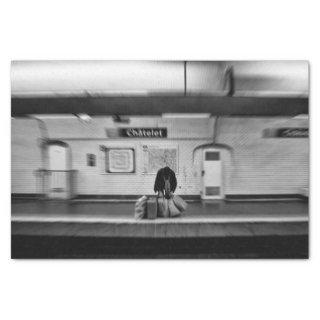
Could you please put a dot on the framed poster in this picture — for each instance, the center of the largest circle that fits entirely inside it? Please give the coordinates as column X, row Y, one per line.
column 120, row 160
column 159, row 157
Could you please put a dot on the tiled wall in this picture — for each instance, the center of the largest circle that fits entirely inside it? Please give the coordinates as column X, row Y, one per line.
column 25, row 155
column 185, row 134
column 261, row 165
column 94, row 180
column 96, row 129
column 257, row 165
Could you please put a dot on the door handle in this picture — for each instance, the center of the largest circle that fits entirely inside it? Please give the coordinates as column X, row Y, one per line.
column 202, row 173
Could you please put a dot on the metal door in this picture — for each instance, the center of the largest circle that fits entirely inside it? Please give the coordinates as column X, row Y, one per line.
column 58, row 171
column 212, row 174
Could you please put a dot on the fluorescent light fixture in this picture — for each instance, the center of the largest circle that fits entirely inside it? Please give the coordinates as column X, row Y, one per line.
column 84, row 117
column 301, row 117
column 186, row 115
column 52, row 116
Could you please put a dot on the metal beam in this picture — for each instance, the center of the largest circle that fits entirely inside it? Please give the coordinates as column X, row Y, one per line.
column 156, row 105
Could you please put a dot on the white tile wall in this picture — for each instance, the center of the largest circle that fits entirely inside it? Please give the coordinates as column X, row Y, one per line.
column 94, row 180
column 25, row 155
column 256, row 166
column 264, row 165
column 96, row 129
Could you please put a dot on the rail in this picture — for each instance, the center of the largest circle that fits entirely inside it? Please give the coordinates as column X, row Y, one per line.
column 58, row 184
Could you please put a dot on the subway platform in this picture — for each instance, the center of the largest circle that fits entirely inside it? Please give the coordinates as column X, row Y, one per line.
column 218, row 229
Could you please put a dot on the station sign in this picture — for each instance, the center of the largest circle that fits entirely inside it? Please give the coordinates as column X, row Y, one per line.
column 293, row 132
column 286, row 133
column 143, row 132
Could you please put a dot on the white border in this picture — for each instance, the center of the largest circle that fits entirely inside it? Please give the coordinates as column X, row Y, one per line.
column 141, row 290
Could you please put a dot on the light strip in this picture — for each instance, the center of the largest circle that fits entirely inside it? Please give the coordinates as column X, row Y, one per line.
column 53, row 116
column 186, row 115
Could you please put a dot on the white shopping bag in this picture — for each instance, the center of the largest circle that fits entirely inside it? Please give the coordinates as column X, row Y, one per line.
column 140, row 209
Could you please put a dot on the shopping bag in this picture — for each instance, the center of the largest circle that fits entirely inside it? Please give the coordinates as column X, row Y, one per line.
column 140, row 208
column 173, row 210
column 179, row 203
column 152, row 208
column 162, row 207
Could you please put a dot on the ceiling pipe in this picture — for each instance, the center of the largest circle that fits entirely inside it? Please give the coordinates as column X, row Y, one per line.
column 185, row 78
column 214, row 143
column 229, row 81
column 44, row 138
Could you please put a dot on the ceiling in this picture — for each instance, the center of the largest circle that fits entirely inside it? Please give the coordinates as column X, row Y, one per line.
column 145, row 78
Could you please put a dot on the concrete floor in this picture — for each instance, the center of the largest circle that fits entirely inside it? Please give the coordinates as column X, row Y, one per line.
column 199, row 220
column 218, row 211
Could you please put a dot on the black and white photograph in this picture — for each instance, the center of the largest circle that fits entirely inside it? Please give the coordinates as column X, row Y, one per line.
column 159, row 160
column 142, row 159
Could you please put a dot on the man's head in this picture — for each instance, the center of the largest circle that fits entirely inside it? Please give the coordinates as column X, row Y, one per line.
column 166, row 172
column 165, row 181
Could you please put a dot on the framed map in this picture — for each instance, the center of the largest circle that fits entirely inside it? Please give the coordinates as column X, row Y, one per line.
column 159, row 157
column 120, row 160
